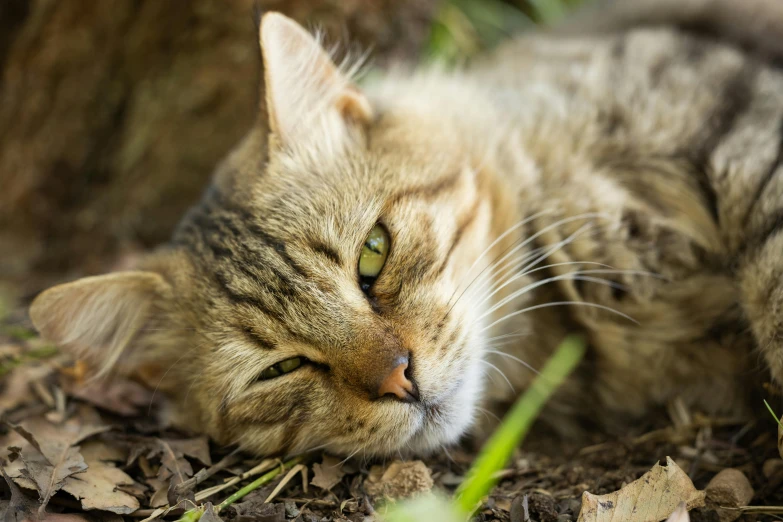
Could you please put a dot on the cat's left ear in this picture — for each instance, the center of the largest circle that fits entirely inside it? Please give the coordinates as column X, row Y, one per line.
column 303, row 85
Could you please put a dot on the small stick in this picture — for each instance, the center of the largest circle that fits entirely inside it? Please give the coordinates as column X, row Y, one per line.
column 229, row 460
column 296, row 469
column 264, row 465
column 194, row 515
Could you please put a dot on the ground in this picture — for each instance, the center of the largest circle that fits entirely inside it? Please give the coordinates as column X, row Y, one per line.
column 102, row 450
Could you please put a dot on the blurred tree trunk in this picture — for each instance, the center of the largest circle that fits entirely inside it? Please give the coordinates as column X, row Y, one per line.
column 113, row 114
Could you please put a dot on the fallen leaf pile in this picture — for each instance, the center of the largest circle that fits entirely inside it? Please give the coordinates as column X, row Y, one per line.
column 46, row 457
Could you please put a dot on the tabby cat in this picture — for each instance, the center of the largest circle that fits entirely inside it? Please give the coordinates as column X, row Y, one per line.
column 373, row 266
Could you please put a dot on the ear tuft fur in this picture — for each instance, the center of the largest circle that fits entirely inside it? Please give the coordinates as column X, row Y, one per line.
column 304, row 88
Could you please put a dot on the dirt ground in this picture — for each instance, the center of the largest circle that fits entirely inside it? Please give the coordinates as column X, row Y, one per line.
column 104, row 458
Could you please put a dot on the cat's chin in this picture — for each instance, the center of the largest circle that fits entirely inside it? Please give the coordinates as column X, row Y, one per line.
column 438, row 423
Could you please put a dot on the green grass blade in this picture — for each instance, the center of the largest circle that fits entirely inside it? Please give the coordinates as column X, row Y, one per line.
column 482, row 476
column 777, row 419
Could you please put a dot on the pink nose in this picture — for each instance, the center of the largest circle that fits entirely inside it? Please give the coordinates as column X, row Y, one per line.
column 398, row 384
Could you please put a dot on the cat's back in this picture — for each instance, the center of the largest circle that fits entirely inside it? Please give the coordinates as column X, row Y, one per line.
column 669, row 120
column 656, row 91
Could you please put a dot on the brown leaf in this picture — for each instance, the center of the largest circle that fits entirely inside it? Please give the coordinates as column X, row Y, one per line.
column 160, row 495
column 328, row 473
column 49, row 454
column 19, row 508
column 210, row 514
column 195, row 448
column 26, row 435
column 16, row 386
column 651, row 498
column 120, row 396
column 96, row 487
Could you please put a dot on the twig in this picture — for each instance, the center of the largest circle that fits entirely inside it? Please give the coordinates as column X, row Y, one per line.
column 296, row 469
column 229, row 460
column 311, row 501
column 264, row 465
column 194, row 515
column 260, row 481
column 206, row 493
column 761, row 510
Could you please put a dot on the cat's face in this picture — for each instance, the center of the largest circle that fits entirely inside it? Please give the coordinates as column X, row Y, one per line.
column 281, row 286
column 313, row 298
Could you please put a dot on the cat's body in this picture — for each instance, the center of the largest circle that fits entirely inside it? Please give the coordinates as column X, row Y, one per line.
column 512, row 192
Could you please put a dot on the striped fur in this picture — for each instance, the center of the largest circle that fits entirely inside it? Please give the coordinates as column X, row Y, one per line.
column 623, row 180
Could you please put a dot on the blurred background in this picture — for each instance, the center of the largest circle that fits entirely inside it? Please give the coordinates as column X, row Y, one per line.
column 113, row 114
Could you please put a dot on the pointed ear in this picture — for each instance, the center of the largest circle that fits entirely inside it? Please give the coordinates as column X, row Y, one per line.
column 302, row 83
column 98, row 319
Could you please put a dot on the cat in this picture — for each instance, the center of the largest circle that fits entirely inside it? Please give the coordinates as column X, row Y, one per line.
column 373, row 266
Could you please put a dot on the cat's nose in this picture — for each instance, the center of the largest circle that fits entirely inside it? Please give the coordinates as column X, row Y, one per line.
column 397, row 384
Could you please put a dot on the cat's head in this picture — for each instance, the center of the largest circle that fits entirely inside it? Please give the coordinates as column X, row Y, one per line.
column 312, row 299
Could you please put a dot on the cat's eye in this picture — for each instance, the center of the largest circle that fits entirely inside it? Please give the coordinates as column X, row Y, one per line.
column 374, row 253
column 276, row 370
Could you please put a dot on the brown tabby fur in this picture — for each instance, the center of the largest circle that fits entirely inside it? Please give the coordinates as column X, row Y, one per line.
column 647, row 157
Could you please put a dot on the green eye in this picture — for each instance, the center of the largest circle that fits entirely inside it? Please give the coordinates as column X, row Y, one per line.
column 276, row 370
column 374, row 252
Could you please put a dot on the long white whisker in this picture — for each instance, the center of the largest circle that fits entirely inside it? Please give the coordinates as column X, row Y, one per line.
column 522, row 274
column 507, row 336
column 487, row 412
column 560, row 303
column 527, row 241
column 513, row 358
column 503, row 236
column 500, row 372
column 527, row 288
column 504, row 270
column 551, row 250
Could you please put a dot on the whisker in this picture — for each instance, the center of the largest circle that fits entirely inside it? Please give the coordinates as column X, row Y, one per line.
column 509, row 251
column 561, row 303
column 500, row 372
column 488, row 413
column 513, row 358
column 506, row 336
column 532, row 286
column 524, row 273
column 503, row 236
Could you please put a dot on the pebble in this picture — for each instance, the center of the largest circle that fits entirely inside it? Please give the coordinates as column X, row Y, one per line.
column 729, row 489
column 771, row 467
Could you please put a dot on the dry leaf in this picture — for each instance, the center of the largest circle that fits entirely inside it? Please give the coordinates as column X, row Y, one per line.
column 120, row 396
column 19, row 508
column 210, row 514
column 652, row 498
column 328, row 473
column 161, row 490
column 95, row 488
column 16, row 386
column 195, row 448
column 49, row 454
column 680, row 514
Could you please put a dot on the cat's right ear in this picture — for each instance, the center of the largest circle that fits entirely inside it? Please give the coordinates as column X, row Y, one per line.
column 99, row 319
column 305, row 91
